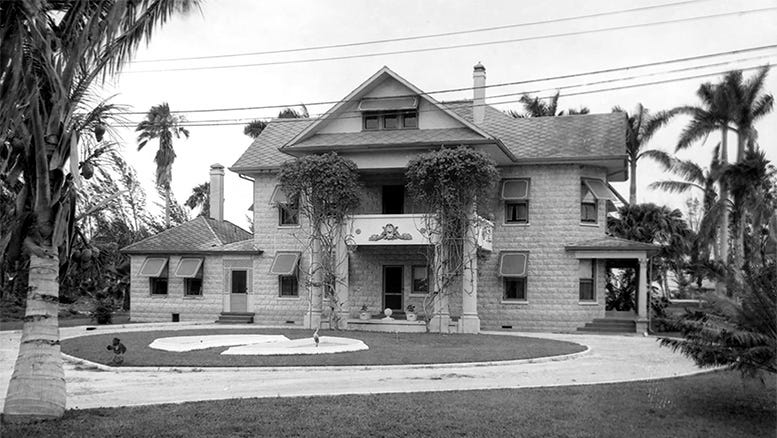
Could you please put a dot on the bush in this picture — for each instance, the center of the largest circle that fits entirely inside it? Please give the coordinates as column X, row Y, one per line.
column 103, row 312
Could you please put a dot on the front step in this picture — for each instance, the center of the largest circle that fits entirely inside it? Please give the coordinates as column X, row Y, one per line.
column 235, row 318
column 610, row 325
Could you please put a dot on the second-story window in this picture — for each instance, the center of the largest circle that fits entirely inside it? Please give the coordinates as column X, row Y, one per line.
column 288, row 211
column 515, row 193
column 375, row 121
column 591, row 192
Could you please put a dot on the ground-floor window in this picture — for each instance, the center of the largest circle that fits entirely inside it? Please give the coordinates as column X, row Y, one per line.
column 190, row 269
column 192, row 286
column 288, row 285
column 587, row 270
column 420, row 280
column 158, row 285
column 155, row 268
column 515, row 289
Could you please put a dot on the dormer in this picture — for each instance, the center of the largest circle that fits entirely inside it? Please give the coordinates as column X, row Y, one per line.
column 389, row 113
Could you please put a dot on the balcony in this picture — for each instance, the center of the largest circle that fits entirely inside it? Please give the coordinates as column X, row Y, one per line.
column 405, row 229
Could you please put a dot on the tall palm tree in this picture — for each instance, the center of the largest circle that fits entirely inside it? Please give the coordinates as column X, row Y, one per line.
column 50, row 54
column 161, row 124
column 714, row 113
column 200, row 197
column 748, row 104
column 641, row 127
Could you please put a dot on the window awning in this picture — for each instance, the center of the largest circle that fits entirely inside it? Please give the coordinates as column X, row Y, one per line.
column 188, row 267
column 389, row 103
column 599, row 189
column 278, row 196
column 513, row 264
column 153, row 267
column 284, row 263
column 515, row 189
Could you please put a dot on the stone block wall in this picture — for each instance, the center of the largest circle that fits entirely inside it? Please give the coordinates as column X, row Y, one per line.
column 145, row 307
column 552, row 282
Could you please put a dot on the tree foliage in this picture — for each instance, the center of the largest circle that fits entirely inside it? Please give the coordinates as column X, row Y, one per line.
column 200, row 197
column 255, row 127
column 543, row 107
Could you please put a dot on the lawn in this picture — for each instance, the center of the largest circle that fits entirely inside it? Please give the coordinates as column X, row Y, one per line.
column 716, row 404
column 385, row 349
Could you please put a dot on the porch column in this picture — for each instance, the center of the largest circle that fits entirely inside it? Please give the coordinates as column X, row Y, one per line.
column 313, row 317
column 642, row 297
column 441, row 318
column 470, row 322
column 341, row 288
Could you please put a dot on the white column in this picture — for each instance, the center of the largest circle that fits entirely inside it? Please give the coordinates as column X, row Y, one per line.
column 470, row 322
column 341, row 288
column 642, row 297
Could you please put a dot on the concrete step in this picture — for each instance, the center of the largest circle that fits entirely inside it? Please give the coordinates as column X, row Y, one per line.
column 612, row 322
column 607, row 329
column 235, row 318
column 609, row 325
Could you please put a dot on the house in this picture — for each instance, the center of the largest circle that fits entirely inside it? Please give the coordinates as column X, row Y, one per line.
column 541, row 251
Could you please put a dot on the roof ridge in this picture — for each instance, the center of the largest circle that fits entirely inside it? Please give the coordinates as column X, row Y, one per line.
column 161, row 233
column 210, row 227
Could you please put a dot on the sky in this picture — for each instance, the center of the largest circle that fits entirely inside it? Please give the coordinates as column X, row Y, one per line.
column 246, row 26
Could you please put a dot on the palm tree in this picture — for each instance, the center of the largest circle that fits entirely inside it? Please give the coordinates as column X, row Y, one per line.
column 51, row 53
column 200, row 197
column 748, row 104
column 715, row 113
column 161, row 124
column 640, row 129
column 255, row 127
column 537, row 107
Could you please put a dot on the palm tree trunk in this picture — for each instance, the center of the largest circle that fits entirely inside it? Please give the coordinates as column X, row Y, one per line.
column 37, row 387
column 720, row 286
column 739, row 240
column 633, row 183
column 167, row 207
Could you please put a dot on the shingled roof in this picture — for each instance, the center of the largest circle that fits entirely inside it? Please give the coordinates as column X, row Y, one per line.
column 611, row 243
column 201, row 235
column 590, row 136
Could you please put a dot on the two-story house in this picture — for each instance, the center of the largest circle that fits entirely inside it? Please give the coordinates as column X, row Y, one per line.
column 542, row 249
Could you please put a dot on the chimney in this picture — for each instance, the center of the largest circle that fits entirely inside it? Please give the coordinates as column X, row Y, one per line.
column 479, row 97
column 217, row 192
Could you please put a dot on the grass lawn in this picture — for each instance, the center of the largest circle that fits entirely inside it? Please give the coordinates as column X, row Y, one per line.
column 716, row 404
column 385, row 349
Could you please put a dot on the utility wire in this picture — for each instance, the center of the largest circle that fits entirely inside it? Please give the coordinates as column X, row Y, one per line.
column 658, row 82
column 427, row 36
column 449, row 47
column 503, row 84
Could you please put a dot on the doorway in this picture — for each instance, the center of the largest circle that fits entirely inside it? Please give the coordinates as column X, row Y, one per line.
column 238, row 297
column 393, row 279
column 394, row 199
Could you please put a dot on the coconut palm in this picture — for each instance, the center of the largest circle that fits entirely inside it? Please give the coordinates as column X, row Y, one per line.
column 50, row 54
column 538, row 107
column 161, row 124
column 254, row 128
column 640, row 128
column 200, row 197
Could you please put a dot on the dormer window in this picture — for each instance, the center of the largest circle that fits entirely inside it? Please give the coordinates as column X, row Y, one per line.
column 390, row 120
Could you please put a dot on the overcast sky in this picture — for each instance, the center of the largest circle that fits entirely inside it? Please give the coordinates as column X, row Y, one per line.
column 239, row 26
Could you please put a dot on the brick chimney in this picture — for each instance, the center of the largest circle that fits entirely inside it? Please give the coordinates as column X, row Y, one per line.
column 479, row 95
column 217, row 192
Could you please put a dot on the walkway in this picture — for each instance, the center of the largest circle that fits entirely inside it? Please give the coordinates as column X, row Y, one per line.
column 609, row 359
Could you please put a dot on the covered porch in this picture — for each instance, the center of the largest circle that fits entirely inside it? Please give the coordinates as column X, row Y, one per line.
column 617, row 252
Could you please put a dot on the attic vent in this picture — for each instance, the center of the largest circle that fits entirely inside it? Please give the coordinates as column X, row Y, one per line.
column 388, row 104
column 507, row 326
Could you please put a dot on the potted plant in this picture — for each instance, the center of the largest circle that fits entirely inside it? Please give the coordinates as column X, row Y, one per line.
column 411, row 316
column 364, row 314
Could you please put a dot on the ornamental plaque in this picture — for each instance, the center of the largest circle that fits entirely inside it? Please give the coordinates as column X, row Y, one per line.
column 390, row 232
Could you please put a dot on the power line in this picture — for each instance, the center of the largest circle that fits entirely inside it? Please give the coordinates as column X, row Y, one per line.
column 427, row 36
column 449, row 47
column 503, row 84
column 658, row 82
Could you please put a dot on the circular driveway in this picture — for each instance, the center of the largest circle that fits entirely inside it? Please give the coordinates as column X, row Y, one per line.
column 609, row 358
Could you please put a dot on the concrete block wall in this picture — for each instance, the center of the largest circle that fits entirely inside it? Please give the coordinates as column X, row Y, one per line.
column 268, row 306
column 145, row 307
column 552, row 282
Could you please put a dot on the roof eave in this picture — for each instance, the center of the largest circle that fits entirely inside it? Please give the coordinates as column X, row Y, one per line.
column 192, row 252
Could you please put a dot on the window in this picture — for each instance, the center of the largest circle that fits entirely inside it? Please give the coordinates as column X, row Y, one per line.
column 587, row 271
column 288, row 285
column 155, row 268
column 190, row 269
column 515, row 289
column 420, row 280
column 374, row 121
column 288, row 211
column 517, row 212
column 588, row 206
column 513, row 268
column 515, row 193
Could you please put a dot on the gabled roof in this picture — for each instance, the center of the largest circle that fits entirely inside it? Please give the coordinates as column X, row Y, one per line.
column 365, row 88
column 611, row 243
column 200, row 235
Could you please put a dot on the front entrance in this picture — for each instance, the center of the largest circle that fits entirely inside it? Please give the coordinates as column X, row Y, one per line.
column 238, row 298
column 392, row 287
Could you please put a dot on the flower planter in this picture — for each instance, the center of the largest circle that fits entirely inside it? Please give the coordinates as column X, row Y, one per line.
column 364, row 316
column 412, row 317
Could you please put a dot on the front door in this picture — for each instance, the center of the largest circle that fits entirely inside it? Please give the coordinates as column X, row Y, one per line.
column 238, row 298
column 392, row 288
